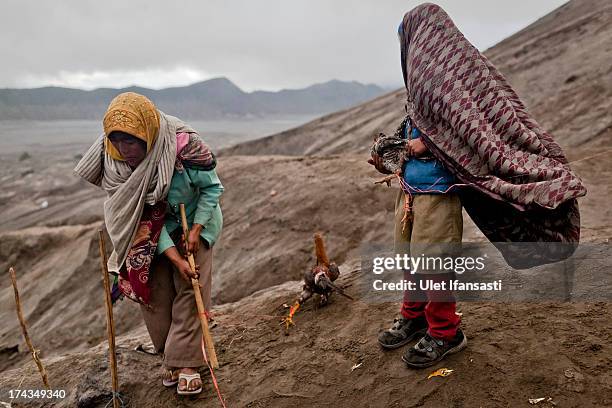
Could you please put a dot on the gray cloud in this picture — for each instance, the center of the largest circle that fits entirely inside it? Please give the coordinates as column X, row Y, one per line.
column 265, row 44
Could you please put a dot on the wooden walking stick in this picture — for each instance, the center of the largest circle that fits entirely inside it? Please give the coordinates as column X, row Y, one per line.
column 208, row 342
column 24, row 329
column 110, row 325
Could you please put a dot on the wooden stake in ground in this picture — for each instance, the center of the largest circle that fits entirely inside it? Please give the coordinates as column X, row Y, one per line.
column 208, row 342
column 110, row 325
column 24, row 329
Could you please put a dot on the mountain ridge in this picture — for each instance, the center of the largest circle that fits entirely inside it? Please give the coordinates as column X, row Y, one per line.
column 214, row 98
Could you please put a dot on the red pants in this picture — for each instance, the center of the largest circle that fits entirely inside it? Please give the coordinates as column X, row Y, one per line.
column 438, row 309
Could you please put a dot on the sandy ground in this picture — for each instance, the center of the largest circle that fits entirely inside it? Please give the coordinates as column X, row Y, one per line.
column 279, row 190
column 516, row 352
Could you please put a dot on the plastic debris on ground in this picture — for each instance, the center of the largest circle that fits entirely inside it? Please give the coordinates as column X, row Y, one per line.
column 442, row 372
column 535, row 401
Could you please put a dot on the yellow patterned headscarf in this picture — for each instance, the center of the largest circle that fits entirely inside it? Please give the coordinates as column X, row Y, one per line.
column 134, row 114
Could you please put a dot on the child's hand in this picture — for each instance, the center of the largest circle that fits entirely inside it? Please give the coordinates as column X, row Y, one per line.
column 182, row 266
column 416, row 147
column 193, row 240
column 376, row 161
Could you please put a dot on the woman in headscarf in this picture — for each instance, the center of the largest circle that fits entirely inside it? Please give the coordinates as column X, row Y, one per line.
column 472, row 143
column 148, row 163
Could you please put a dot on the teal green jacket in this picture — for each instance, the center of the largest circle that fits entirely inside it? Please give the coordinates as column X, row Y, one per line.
column 200, row 191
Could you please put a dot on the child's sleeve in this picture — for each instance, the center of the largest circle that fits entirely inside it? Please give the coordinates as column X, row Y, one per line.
column 210, row 192
column 164, row 242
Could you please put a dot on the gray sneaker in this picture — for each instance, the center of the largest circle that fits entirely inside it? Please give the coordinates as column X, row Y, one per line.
column 402, row 332
column 429, row 350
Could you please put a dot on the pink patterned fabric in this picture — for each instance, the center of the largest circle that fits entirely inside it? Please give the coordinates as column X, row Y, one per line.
column 181, row 141
column 193, row 152
column 475, row 123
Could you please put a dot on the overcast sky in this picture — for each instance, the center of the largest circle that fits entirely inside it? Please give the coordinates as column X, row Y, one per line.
column 258, row 44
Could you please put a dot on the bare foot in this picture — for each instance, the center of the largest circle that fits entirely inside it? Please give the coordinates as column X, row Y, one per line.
column 170, row 377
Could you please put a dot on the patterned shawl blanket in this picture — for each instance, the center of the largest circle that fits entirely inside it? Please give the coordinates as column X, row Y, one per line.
column 136, row 199
column 521, row 186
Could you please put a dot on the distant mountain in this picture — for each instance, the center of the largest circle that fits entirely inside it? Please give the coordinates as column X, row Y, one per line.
column 214, row 98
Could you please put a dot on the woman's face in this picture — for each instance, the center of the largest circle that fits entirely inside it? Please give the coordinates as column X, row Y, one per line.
column 132, row 149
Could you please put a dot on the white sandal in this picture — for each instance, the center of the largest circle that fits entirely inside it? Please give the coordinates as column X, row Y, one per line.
column 188, row 378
